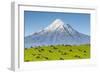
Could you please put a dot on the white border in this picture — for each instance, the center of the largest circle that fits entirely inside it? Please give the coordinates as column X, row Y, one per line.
column 18, row 52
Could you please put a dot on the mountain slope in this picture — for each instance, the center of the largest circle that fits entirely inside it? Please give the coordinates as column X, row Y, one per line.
column 56, row 33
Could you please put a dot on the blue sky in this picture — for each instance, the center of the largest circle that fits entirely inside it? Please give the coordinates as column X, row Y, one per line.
column 35, row 21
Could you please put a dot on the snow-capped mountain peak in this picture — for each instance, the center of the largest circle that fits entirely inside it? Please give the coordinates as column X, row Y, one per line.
column 55, row 24
column 58, row 22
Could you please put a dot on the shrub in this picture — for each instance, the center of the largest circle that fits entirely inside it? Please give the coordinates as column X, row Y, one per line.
column 33, row 54
column 61, row 59
column 39, row 54
column 55, row 48
column 36, row 48
column 85, row 54
column 42, row 49
column 51, row 46
column 77, row 56
column 67, row 45
column 50, row 51
column 64, row 53
column 46, row 58
column 38, row 57
column 59, row 50
column 39, row 50
column 31, row 46
column 39, row 46
column 27, row 60
column 84, row 51
column 80, row 50
column 70, row 50
column 25, row 48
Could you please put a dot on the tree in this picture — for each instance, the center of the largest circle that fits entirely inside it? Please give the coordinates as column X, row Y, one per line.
column 31, row 46
column 25, row 48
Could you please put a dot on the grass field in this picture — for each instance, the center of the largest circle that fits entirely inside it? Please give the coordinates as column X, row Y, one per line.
column 57, row 52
